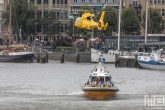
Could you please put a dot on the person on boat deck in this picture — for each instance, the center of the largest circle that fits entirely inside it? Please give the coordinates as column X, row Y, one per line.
column 97, row 80
column 88, row 82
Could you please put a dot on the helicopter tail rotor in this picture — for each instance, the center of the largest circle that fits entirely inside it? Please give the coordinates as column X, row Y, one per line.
column 101, row 25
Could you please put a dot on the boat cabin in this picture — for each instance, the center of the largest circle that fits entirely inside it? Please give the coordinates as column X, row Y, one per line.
column 99, row 77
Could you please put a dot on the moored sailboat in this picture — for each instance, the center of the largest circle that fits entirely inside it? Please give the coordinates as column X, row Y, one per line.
column 17, row 52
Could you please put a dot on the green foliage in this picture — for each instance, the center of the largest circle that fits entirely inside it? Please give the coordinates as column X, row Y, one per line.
column 50, row 24
column 58, row 48
column 84, row 8
column 154, row 20
column 23, row 17
column 130, row 21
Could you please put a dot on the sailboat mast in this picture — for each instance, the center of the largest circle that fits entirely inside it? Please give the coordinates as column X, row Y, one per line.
column 146, row 21
column 119, row 25
column 10, row 23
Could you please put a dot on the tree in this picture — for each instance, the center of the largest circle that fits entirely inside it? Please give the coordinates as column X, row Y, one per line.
column 154, row 20
column 23, row 17
column 84, row 8
column 130, row 21
column 110, row 17
column 50, row 24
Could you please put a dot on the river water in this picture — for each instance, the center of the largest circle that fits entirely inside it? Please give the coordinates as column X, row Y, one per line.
column 56, row 86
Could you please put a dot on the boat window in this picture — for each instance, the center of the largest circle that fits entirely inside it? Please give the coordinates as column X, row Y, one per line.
column 93, row 78
column 101, row 79
column 107, row 79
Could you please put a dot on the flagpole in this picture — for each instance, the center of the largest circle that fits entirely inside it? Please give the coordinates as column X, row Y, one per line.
column 146, row 21
column 9, row 39
column 119, row 25
column 20, row 37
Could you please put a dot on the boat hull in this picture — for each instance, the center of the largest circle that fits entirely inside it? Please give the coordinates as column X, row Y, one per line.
column 16, row 58
column 155, row 66
column 99, row 93
column 109, row 56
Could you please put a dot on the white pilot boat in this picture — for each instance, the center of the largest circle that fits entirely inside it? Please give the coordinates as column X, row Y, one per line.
column 99, row 84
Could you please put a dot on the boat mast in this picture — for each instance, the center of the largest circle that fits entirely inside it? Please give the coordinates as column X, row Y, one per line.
column 119, row 25
column 146, row 21
column 10, row 22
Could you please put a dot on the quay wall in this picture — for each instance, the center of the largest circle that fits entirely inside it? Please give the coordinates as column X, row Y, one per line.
column 69, row 56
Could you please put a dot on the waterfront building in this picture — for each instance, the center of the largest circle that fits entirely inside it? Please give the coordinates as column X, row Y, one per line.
column 96, row 5
column 140, row 6
column 61, row 9
column 132, row 40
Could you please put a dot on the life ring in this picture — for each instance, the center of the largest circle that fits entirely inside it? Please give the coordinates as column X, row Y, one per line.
column 161, row 56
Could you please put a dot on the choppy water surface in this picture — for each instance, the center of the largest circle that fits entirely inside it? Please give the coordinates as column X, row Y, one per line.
column 56, row 86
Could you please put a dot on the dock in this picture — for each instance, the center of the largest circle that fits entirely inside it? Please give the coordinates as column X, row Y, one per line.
column 126, row 60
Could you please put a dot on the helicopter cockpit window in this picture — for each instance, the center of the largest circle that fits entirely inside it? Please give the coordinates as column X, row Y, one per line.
column 88, row 18
column 78, row 19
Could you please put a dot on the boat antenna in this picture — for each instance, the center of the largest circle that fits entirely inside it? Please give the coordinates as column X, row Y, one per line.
column 10, row 23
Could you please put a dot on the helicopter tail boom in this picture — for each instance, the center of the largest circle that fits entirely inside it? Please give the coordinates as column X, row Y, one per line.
column 101, row 25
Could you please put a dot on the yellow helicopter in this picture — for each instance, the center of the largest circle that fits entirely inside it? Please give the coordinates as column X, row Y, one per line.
column 87, row 22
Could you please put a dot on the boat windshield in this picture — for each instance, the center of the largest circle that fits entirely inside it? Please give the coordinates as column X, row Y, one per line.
column 93, row 78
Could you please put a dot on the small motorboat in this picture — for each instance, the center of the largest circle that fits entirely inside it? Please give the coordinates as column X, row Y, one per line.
column 154, row 60
column 99, row 84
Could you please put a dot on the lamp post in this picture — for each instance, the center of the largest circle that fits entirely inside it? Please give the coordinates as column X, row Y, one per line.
column 72, row 18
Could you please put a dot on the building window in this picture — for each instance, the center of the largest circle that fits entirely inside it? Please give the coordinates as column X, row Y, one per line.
column 154, row 1
column 62, row 14
column 58, row 2
column 58, row 14
column 83, row 1
column 45, row 1
column 45, row 13
column 38, row 28
column 39, row 14
column 54, row 1
column 106, row 1
column 61, row 1
column 159, row 2
column 62, row 30
column 134, row 3
column 66, row 1
column 66, row 14
column 38, row 1
column 114, row 1
column 66, row 25
column 75, row 1
column 31, row 1
column 163, row 1
column 98, row 1
column 163, row 10
column 151, row 1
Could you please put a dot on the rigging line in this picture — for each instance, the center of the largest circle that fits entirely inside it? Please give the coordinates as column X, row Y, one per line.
column 15, row 19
